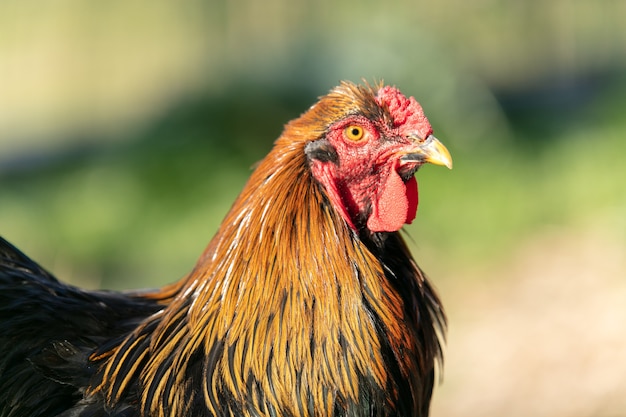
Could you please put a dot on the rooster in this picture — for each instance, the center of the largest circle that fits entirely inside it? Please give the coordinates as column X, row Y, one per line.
column 305, row 303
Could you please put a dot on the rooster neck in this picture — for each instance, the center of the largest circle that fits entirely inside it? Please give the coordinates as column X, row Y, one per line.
column 288, row 312
column 303, row 301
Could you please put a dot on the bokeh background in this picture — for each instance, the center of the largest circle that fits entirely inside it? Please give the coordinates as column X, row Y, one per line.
column 128, row 128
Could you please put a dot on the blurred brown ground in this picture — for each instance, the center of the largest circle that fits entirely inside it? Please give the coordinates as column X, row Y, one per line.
column 544, row 336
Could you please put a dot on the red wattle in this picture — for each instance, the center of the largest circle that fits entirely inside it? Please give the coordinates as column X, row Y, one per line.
column 395, row 206
column 412, row 196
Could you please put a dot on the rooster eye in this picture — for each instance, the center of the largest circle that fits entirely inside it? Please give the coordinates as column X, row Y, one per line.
column 354, row 132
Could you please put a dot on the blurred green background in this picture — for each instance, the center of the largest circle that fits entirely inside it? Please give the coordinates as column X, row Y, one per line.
column 128, row 128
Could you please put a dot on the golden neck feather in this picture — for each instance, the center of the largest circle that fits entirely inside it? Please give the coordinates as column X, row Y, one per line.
column 279, row 307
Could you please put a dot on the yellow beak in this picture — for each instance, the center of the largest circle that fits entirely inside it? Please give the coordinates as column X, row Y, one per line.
column 431, row 151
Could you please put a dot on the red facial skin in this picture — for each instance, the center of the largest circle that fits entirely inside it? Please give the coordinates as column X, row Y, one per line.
column 365, row 180
column 369, row 184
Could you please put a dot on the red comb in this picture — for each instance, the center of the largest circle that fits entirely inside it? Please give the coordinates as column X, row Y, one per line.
column 407, row 113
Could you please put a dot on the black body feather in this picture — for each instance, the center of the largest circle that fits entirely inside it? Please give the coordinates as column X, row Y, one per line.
column 48, row 331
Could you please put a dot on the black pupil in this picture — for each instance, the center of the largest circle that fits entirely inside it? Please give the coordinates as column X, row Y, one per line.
column 355, row 131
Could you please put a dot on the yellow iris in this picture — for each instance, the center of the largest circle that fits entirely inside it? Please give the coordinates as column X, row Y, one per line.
column 354, row 132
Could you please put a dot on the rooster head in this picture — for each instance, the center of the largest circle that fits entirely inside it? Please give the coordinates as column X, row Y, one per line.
column 364, row 145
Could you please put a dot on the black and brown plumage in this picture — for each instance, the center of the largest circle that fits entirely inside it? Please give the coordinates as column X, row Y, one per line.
column 306, row 302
